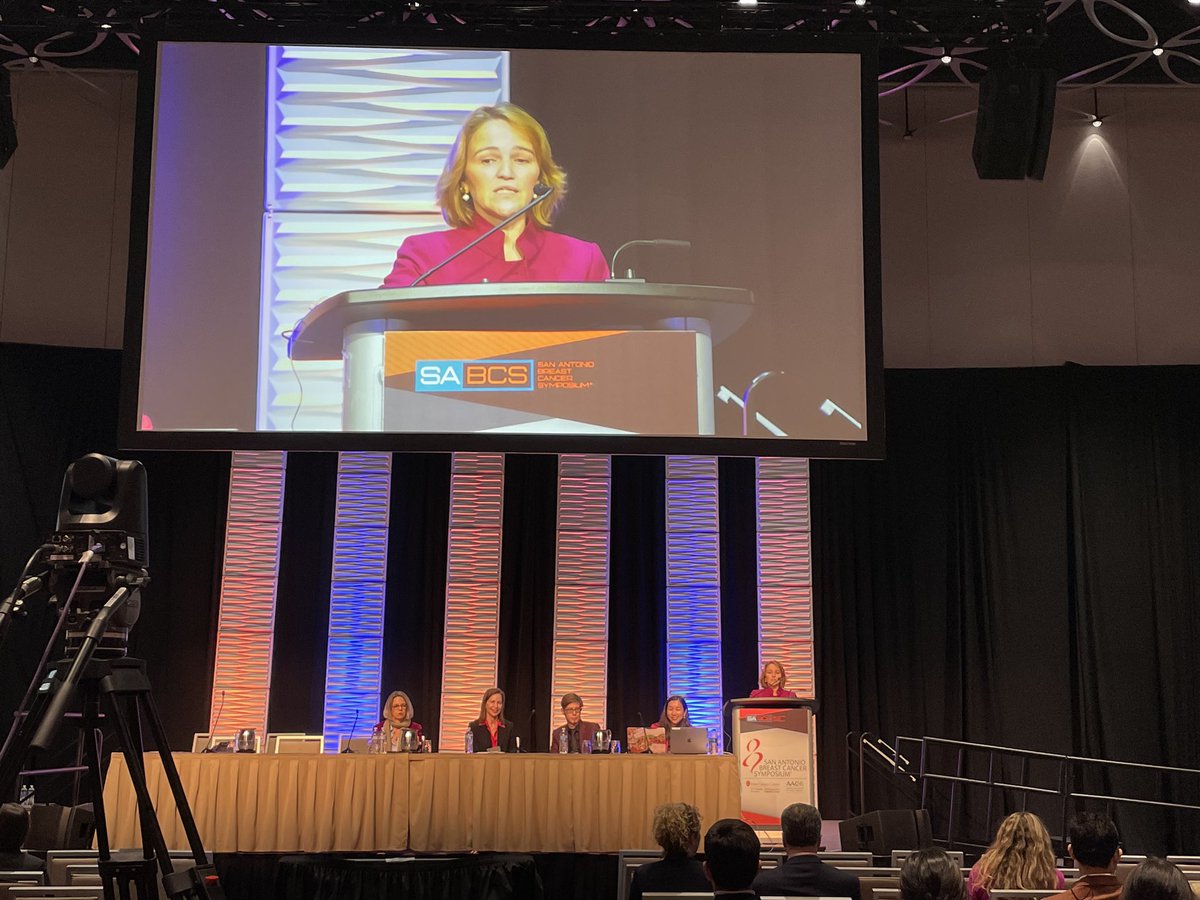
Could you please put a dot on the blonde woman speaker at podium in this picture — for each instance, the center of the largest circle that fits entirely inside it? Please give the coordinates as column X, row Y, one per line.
column 500, row 172
column 772, row 682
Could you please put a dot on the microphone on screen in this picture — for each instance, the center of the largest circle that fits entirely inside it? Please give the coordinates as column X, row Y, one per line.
column 658, row 242
column 347, row 748
column 216, row 723
column 537, row 198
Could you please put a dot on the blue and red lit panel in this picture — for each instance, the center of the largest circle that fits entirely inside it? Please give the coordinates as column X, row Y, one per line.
column 580, row 661
column 469, row 653
column 785, row 612
column 356, row 595
column 249, row 577
column 694, row 586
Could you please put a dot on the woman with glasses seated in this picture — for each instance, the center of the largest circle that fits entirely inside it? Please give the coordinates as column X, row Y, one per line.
column 575, row 730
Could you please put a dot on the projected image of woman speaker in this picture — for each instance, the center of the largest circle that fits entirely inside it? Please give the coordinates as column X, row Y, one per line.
column 500, row 170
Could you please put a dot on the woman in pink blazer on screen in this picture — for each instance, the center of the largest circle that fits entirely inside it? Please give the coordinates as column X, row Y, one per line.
column 772, row 682
column 500, row 160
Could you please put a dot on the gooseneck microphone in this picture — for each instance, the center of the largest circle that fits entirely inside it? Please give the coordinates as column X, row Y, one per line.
column 645, row 737
column 658, row 242
column 537, row 198
column 216, row 723
column 347, row 748
column 533, row 728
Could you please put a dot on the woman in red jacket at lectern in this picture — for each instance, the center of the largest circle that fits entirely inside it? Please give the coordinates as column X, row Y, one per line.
column 772, row 682
column 500, row 164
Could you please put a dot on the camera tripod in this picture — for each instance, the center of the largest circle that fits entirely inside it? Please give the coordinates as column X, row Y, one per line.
column 123, row 684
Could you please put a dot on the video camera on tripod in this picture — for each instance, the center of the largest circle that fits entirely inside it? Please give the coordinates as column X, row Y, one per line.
column 97, row 561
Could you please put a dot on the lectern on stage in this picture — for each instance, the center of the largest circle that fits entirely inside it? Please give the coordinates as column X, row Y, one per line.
column 617, row 357
column 775, row 742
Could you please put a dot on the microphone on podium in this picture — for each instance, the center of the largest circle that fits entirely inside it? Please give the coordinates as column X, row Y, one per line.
column 537, row 198
column 657, row 242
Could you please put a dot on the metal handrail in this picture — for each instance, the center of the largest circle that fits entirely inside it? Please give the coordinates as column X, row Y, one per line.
column 1067, row 764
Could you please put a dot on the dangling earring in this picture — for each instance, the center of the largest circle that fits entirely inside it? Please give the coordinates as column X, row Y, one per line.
column 466, row 194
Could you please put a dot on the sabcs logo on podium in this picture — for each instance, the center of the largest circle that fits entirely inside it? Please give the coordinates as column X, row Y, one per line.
column 461, row 375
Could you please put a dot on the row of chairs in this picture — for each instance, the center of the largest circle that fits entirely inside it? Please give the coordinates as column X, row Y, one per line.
column 70, row 874
column 883, row 882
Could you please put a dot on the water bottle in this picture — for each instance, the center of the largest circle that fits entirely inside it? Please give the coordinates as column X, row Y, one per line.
column 562, row 740
column 470, row 745
column 375, row 745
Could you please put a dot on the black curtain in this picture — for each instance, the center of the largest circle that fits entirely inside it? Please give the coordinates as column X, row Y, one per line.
column 56, row 404
column 1020, row 571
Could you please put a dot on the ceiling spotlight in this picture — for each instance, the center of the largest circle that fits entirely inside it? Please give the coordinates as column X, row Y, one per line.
column 1097, row 122
column 1157, row 51
column 1194, row 2
column 860, row 2
column 106, row 26
column 32, row 58
column 946, row 58
column 747, row 2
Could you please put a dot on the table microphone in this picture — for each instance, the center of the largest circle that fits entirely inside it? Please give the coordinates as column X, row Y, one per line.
column 537, row 198
column 645, row 737
column 347, row 748
column 216, row 723
column 532, row 727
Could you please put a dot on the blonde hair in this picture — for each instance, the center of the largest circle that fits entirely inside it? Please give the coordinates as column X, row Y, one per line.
column 458, row 212
column 387, row 708
column 1020, row 857
column 677, row 828
column 762, row 678
column 488, row 695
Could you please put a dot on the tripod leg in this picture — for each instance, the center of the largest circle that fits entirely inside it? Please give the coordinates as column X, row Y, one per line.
column 172, row 773
column 131, row 748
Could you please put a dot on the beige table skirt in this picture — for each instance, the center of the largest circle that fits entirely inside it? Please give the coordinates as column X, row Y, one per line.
column 444, row 801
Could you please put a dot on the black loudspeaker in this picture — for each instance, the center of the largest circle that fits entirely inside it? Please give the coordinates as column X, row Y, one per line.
column 885, row 830
column 54, row 827
column 1016, row 115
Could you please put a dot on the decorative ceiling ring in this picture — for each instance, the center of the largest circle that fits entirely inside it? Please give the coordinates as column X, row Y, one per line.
column 1151, row 38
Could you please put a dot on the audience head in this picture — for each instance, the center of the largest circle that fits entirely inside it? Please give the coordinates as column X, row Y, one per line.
column 801, row 826
column 14, row 826
column 931, row 874
column 398, row 709
column 731, row 851
column 491, row 704
column 1020, row 856
column 677, row 829
column 572, row 707
column 1094, row 842
column 1157, row 879
column 773, row 675
column 675, row 713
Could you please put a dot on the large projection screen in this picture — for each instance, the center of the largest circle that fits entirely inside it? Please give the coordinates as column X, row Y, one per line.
column 278, row 181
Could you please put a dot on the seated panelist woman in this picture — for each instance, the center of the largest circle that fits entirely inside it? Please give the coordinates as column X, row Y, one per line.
column 674, row 715
column 499, row 162
column 491, row 731
column 772, row 682
column 397, row 716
